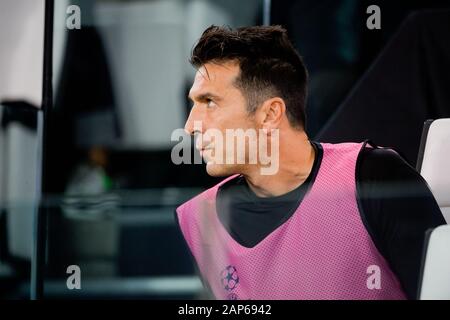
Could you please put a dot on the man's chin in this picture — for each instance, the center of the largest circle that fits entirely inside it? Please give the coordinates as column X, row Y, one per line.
column 217, row 170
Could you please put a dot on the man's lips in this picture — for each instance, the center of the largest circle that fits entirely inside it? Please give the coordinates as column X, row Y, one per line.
column 200, row 149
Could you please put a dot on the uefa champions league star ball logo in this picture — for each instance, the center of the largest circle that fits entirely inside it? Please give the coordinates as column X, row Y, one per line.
column 229, row 278
column 232, row 296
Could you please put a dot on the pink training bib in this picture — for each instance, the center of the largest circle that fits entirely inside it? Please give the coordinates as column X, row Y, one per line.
column 323, row 251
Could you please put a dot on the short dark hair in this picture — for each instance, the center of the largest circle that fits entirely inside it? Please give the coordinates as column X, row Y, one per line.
column 269, row 65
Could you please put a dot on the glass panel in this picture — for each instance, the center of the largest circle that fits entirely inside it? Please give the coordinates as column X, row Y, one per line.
column 21, row 56
column 120, row 91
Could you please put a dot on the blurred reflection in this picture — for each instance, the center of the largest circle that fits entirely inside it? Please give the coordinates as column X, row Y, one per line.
column 19, row 192
column 120, row 92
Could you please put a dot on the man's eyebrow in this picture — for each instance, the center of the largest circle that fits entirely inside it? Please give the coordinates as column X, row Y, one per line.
column 204, row 96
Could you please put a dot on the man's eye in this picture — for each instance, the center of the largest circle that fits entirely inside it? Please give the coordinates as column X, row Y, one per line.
column 209, row 103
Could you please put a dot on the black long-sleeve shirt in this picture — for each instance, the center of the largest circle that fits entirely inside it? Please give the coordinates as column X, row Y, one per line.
column 395, row 203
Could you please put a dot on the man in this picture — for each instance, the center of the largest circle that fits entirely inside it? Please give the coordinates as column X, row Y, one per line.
column 343, row 221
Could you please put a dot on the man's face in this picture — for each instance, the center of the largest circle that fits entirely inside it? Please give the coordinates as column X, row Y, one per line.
column 218, row 106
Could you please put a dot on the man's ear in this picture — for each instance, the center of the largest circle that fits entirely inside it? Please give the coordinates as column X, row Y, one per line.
column 272, row 112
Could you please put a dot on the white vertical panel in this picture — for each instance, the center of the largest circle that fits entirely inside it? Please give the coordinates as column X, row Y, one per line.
column 21, row 50
column 21, row 188
column 144, row 45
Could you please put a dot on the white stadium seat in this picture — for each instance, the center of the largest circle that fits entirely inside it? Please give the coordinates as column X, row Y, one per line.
column 436, row 268
column 433, row 161
column 433, row 165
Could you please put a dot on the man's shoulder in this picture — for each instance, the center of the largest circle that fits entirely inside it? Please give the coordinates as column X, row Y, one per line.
column 384, row 163
column 382, row 154
column 205, row 197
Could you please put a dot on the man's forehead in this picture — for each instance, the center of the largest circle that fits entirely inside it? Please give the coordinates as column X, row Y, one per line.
column 213, row 72
column 214, row 75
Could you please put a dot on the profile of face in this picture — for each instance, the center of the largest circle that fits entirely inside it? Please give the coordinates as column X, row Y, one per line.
column 220, row 107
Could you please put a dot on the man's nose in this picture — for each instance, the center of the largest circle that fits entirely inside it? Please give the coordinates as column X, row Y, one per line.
column 191, row 125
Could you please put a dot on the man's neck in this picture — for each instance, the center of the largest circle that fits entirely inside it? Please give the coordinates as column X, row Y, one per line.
column 296, row 159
